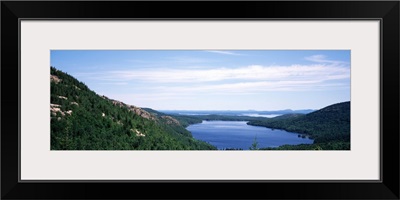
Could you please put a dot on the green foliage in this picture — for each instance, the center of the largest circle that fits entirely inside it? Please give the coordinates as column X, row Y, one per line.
column 328, row 125
column 95, row 123
column 184, row 120
column 320, row 146
column 187, row 120
column 233, row 149
column 254, row 145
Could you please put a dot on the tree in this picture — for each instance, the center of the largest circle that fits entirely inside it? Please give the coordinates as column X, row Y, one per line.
column 254, row 146
column 318, row 148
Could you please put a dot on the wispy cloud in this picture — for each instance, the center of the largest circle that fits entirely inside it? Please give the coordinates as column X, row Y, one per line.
column 225, row 52
column 186, row 60
column 234, row 91
column 323, row 59
column 247, row 73
column 147, row 85
column 113, row 83
column 214, row 78
column 173, row 62
column 249, row 87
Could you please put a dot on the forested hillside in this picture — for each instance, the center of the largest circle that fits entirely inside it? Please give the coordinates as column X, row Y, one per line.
column 83, row 120
column 329, row 127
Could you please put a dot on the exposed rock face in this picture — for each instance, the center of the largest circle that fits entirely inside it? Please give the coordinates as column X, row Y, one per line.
column 118, row 103
column 55, row 79
column 138, row 133
column 170, row 120
column 141, row 112
column 55, row 108
column 134, row 109
column 54, row 105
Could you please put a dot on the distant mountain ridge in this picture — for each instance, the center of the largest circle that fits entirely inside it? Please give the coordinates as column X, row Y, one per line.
column 235, row 112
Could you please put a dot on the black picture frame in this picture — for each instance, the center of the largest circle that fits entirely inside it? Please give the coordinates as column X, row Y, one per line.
column 386, row 11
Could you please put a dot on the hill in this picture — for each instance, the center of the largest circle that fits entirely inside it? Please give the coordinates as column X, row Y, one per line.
column 329, row 125
column 83, row 120
column 184, row 120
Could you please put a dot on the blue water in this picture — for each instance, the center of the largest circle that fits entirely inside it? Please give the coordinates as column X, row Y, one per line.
column 237, row 134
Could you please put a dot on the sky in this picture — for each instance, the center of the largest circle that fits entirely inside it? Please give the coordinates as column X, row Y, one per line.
column 213, row 79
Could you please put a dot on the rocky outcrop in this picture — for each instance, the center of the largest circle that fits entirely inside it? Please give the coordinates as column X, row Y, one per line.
column 55, row 79
column 138, row 133
column 62, row 97
column 134, row 109
column 55, row 108
column 141, row 112
column 170, row 120
column 118, row 103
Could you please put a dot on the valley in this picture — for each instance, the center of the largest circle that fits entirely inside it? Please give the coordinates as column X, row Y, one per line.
column 83, row 120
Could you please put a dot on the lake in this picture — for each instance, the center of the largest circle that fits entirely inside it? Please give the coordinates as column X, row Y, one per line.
column 237, row 134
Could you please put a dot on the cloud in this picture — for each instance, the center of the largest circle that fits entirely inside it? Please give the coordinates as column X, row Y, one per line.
column 179, row 83
column 247, row 73
column 188, row 93
column 113, row 83
column 226, row 53
column 246, row 88
column 172, row 62
column 323, row 59
column 185, row 60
